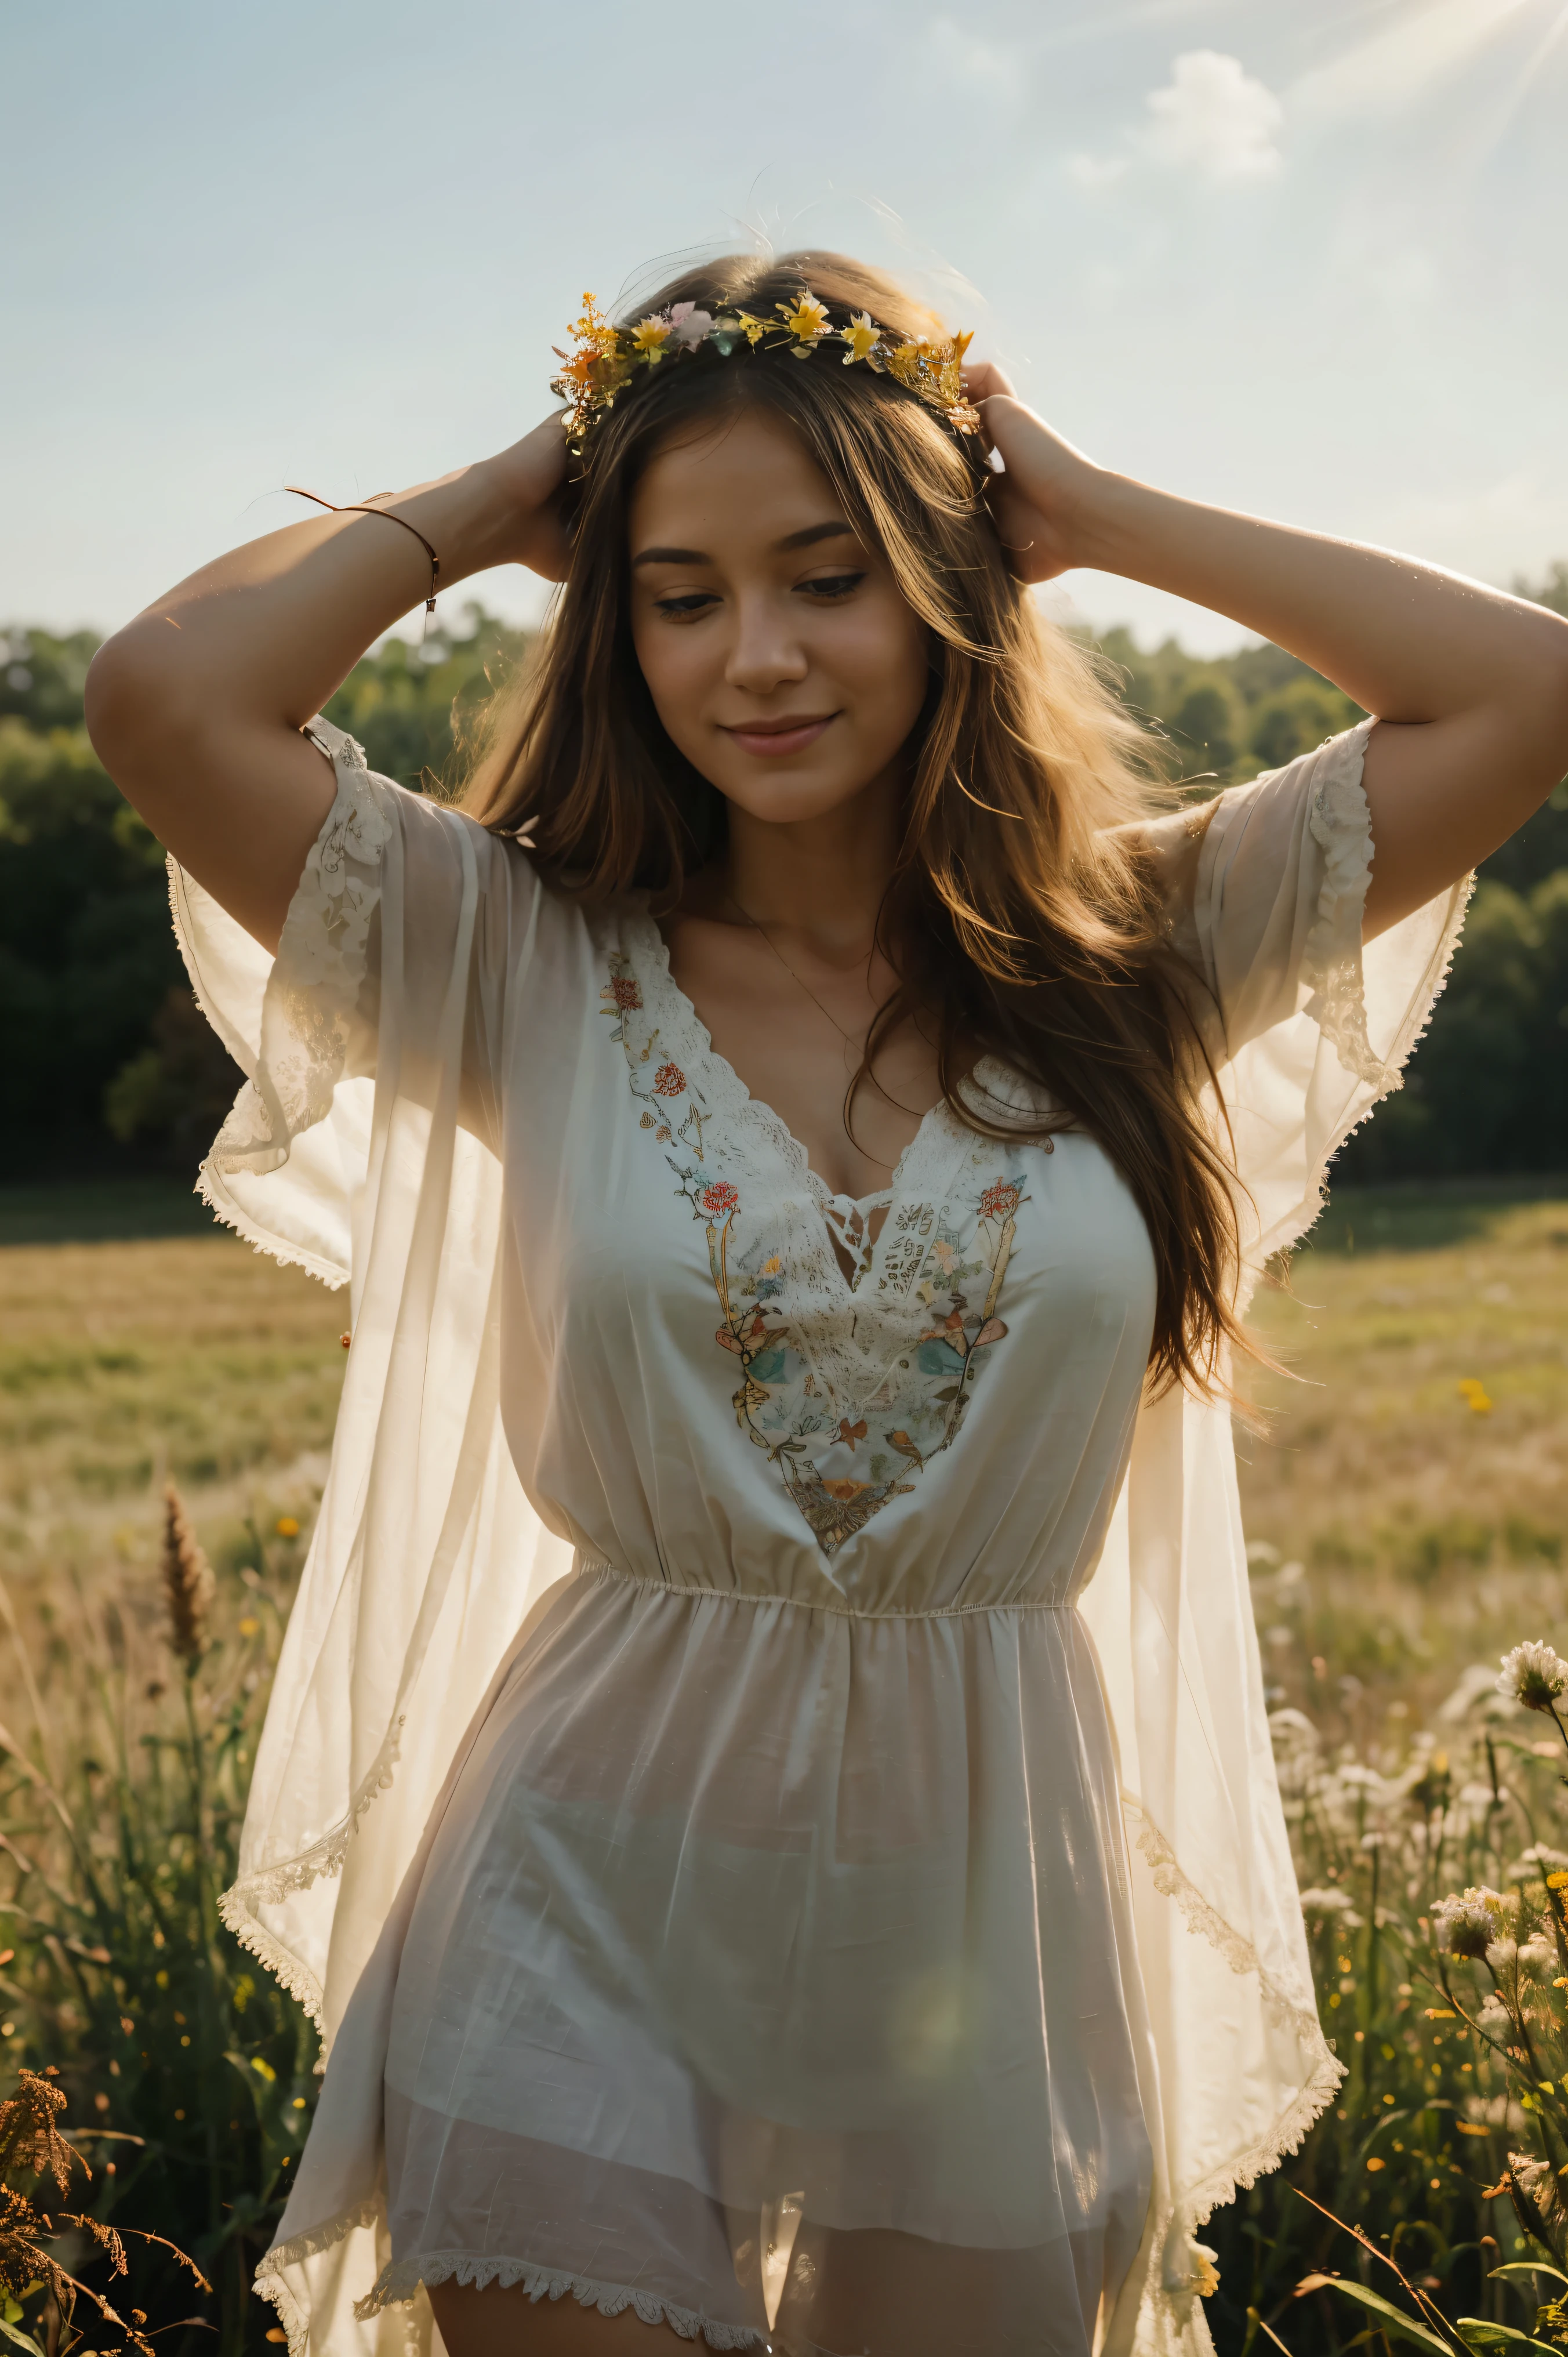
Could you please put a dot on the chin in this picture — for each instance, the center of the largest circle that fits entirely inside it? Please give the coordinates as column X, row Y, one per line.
column 786, row 801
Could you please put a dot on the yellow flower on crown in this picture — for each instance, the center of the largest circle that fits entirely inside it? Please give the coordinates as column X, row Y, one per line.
column 863, row 335
column 649, row 336
column 807, row 320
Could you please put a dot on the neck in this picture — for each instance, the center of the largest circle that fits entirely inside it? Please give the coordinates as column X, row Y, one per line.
column 824, row 877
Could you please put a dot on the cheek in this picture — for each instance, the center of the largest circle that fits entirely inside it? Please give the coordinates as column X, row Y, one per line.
column 882, row 656
column 675, row 666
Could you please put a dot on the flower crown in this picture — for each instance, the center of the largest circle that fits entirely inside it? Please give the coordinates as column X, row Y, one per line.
column 605, row 358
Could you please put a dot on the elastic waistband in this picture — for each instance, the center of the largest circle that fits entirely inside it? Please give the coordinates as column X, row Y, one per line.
column 589, row 1566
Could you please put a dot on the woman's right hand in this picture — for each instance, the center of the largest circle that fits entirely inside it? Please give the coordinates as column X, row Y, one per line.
column 530, row 476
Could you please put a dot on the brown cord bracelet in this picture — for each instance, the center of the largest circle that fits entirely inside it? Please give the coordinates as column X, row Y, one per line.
column 358, row 507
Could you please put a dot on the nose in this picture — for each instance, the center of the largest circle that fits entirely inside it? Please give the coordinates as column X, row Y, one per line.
column 766, row 652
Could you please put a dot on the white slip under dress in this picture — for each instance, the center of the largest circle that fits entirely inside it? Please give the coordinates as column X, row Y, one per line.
column 767, row 1792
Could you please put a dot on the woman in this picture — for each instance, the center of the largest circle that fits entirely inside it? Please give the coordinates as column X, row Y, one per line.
column 800, row 1135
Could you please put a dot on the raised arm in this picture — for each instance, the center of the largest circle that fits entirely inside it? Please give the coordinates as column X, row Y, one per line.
column 195, row 707
column 1471, row 685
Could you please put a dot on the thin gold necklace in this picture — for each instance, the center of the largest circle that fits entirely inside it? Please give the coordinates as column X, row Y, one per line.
column 745, row 915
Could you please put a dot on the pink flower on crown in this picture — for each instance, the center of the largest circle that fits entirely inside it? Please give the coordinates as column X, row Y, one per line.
column 669, row 1081
column 720, row 1200
column 688, row 325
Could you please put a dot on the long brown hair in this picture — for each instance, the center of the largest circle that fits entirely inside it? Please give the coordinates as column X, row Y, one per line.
column 1022, row 919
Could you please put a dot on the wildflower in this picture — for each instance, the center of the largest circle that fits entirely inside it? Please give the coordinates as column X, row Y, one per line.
column 689, row 326
column 807, row 320
column 1502, row 1955
column 649, row 339
column 1538, row 1954
column 1534, row 1676
column 288, row 1527
column 189, row 1583
column 1539, row 1861
column 861, row 336
column 1468, row 1925
column 1474, row 1394
column 1324, row 1902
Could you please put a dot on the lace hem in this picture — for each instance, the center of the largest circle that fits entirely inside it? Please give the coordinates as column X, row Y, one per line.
column 268, row 1885
column 228, row 1214
column 316, row 976
column 1200, row 1916
column 284, row 1965
column 1341, row 825
column 1185, row 2271
column 401, row 2281
column 268, row 2283
column 1390, row 1077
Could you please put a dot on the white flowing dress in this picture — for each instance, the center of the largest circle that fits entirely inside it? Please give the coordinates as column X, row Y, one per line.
column 696, row 1797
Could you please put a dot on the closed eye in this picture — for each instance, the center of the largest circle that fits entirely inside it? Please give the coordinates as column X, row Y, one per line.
column 685, row 610
column 827, row 588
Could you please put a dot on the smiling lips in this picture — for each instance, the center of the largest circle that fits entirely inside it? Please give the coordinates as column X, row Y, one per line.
column 772, row 737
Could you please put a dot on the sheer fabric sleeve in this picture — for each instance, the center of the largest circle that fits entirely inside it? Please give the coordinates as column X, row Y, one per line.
column 1307, row 1027
column 346, row 994
column 364, row 1147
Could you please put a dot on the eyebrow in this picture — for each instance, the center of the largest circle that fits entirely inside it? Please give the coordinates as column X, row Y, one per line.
column 806, row 539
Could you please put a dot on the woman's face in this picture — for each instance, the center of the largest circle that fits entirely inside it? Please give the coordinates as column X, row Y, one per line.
column 779, row 652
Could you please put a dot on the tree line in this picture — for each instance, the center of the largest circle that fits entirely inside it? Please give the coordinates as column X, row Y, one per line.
column 111, row 1066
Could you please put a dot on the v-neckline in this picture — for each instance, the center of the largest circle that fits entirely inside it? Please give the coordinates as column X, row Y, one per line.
column 881, row 1197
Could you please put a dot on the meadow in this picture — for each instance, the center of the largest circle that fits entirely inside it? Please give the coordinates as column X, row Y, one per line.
column 1407, row 1507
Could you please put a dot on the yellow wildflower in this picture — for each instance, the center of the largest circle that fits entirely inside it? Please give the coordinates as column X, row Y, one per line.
column 287, row 1528
column 861, row 336
column 751, row 327
column 593, row 330
column 649, row 339
column 807, row 320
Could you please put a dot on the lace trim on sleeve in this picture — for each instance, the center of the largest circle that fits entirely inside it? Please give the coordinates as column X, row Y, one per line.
column 318, row 972
column 1341, row 826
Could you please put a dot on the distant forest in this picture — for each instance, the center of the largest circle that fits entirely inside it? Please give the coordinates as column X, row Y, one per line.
column 112, row 1069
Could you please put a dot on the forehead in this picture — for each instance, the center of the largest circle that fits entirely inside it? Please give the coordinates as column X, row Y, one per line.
column 745, row 476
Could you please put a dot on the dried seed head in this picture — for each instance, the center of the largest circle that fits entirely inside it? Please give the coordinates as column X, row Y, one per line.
column 189, row 1583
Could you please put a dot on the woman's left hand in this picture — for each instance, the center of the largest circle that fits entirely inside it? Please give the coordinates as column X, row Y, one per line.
column 1042, row 503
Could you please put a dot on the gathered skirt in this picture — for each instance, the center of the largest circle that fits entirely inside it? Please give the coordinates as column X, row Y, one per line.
column 770, row 1973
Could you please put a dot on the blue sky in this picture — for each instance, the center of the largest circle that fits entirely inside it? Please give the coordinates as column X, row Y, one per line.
column 1308, row 261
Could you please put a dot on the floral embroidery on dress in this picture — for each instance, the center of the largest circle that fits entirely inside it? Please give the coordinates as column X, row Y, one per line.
column 938, row 1267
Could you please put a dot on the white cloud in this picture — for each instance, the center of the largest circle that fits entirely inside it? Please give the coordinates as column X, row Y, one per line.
column 1214, row 118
